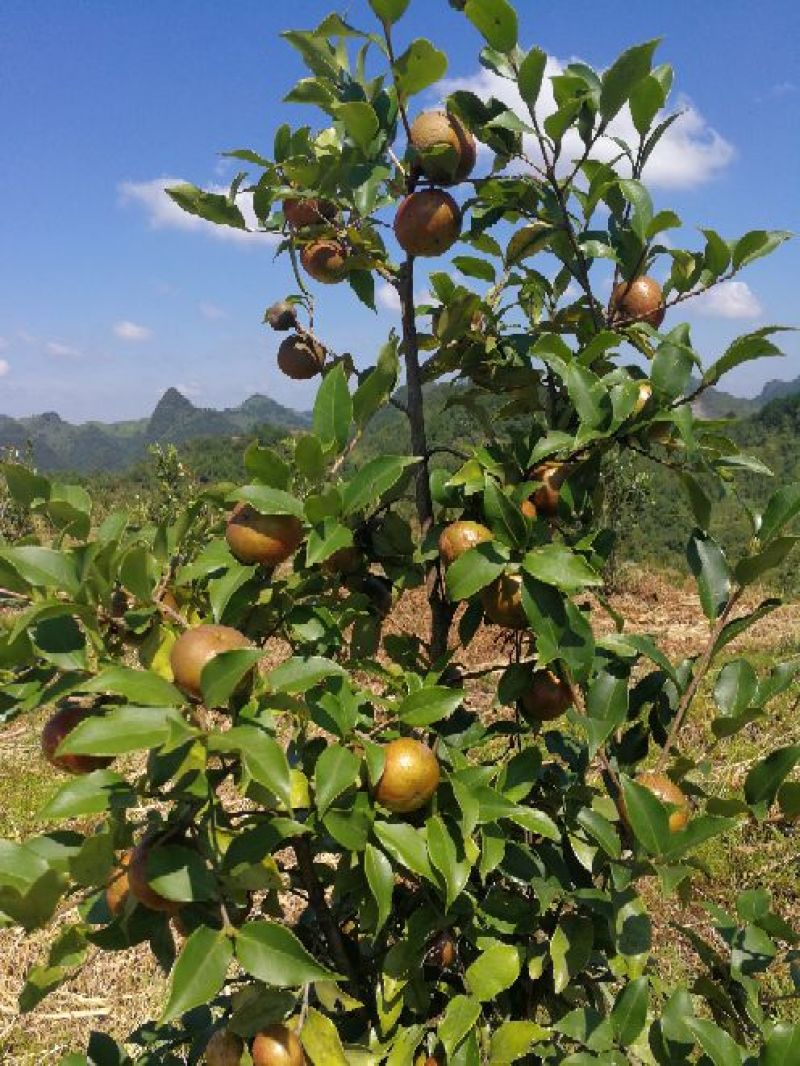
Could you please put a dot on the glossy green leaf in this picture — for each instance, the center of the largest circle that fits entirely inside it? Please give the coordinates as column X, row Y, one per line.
column 264, row 758
column 122, row 729
column 444, row 855
column 629, row 1014
column 300, row 673
column 376, row 477
column 213, row 207
column 222, row 675
column 389, row 11
column 720, row 1048
column 623, row 74
column 531, row 73
column 504, row 517
column 513, row 1040
column 473, row 570
column 782, row 507
column 711, row 572
column 570, row 947
column 89, row 794
column 495, row 970
column 268, row 501
column 418, row 67
column 139, row 686
column 496, row 20
column 765, row 778
column 647, row 816
column 273, row 954
column 461, row 1013
column 406, row 845
column 199, row 972
column 321, row 1040
column 556, row 564
column 336, row 770
column 380, row 878
column 378, row 384
column 755, row 566
column 361, row 123
column 333, row 409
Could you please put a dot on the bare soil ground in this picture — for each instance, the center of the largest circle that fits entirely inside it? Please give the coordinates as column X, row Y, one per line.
column 117, row 992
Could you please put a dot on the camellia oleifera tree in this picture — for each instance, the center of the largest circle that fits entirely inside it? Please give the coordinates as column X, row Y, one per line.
column 337, row 859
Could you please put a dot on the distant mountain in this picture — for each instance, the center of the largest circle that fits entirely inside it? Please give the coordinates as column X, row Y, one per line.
column 715, row 403
column 93, row 446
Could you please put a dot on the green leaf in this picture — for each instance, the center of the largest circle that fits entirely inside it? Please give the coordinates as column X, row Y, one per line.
column 333, row 410
column 783, row 1045
column 647, row 816
column 375, row 478
column 531, row 73
column 461, row 1013
column 43, row 567
column 629, row 1014
column 639, row 198
column 474, row 267
column 505, row 519
column 273, row 954
column 213, row 207
column 263, row 757
column 496, row 20
column 428, row 705
column 380, row 878
column 495, row 970
column 90, row 794
column 443, row 854
column 621, row 77
column 603, row 831
column 123, row 729
column 406, row 845
column 325, row 540
column 268, row 501
column 199, row 972
column 473, row 570
column 736, row 688
column 309, row 456
column 139, row 686
column 67, row 953
column 711, row 572
column 24, row 485
column 513, row 1040
column 321, row 1040
column 378, row 384
column 765, row 778
column 418, row 67
column 570, row 948
column 389, row 11
column 300, row 673
column 562, row 631
column 744, row 349
column 756, row 243
column 266, row 466
column 556, row 564
column 180, row 874
column 360, row 121
column 672, row 368
column 720, row 1048
column 336, row 770
column 783, row 506
column 751, row 569
column 222, row 675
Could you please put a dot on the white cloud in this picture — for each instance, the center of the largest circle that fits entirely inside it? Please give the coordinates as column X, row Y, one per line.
column 130, row 331
column 387, row 296
column 5, row 366
column 690, row 153
column 59, row 349
column 163, row 213
column 730, row 299
column 211, row 311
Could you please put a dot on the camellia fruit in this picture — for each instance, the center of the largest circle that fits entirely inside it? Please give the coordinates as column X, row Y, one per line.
column 547, row 698
column 301, row 358
column 224, row 1049
column 459, row 537
column 325, row 261
column 118, row 889
column 439, row 130
column 311, row 212
column 262, row 538
column 410, row 776
column 281, row 316
column 198, row 646
column 140, row 886
column 442, row 953
column 665, row 789
column 345, row 561
column 640, row 300
column 502, row 602
column 528, row 508
column 427, row 222
column 552, row 476
column 277, row 1045
column 60, row 725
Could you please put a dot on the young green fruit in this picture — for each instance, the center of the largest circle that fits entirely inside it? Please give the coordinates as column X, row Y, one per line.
column 259, row 538
column 437, row 129
column 198, row 646
column 427, row 222
column 410, row 776
column 59, row 726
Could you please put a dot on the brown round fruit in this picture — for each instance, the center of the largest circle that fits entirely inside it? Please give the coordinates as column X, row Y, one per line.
column 664, row 789
column 427, row 222
column 410, row 776
column 639, row 300
column 281, row 316
column 547, row 698
column 198, row 646
column 301, row 358
column 459, row 537
column 443, row 952
column 528, row 508
column 345, row 561
column 438, row 130
column 139, row 885
column 117, row 886
column 277, row 1046
column 224, row 1049
column 325, row 261
column 502, row 602
column 312, row 212
column 552, row 476
column 60, row 725
column 261, row 538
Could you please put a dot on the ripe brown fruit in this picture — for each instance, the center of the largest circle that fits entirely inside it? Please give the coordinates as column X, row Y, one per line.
column 311, row 212
column 281, row 316
column 528, row 508
column 438, row 129
column 57, row 727
column 117, row 886
column 198, row 646
column 552, row 475
column 277, row 1046
column 345, row 561
column 224, row 1049
column 547, row 698
column 410, row 776
column 139, row 885
column 502, row 602
column 325, row 261
column 664, row 789
column 443, row 952
column 428, row 222
column 640, row 300
column 261, row 538
column 301, row 358
column 459, row 537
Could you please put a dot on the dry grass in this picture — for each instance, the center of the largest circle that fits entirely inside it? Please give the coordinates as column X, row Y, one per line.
column 116, row 992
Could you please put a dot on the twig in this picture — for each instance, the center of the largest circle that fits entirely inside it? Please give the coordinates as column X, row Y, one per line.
column 345, row 455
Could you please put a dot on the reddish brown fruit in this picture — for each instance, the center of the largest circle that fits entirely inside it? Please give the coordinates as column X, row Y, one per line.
column 301, row 358
column 443, row 952
column 278, row 1046
column 459, row 537
column 640, row 300
column 198, row 646
column 224, row 1049
column 410, row 776
column 427, row 222
column 260, row 538
column 665, row 789
column 117, row 888
column 139, row 885
column 345, row 561
column 325, row 261
column 60, row 725
column 552, row 475
column 547, row 698
column 437, row 130
column 502, row 602
column 312, row 212
column 281, row 316
column 528, row 508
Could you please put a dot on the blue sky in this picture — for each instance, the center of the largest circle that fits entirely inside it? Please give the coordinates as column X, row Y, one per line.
column 108, row 297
